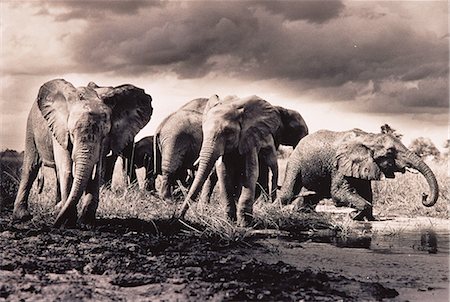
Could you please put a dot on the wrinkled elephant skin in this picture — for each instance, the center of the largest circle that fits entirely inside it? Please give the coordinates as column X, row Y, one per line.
column 72, row 129
column 341, row 165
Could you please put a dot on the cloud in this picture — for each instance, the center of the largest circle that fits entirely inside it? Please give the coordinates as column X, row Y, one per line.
column 324, row 50
column 311, row 11
column 92, row 9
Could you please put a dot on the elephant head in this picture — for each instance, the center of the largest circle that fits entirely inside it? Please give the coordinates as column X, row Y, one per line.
column 131, row 111
column 369, row 156
column 88, row 125
column 231, row 125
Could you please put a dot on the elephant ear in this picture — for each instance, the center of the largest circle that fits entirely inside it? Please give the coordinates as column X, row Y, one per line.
column 53, row 100
column 131, row 111
column 258, row 120
column 354, row 159
column 212, row 102
column 293, row 127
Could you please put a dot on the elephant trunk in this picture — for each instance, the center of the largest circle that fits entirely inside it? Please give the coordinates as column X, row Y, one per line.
column 417, row 163
column 207, row 158
column 291, row 176
column 84, row 165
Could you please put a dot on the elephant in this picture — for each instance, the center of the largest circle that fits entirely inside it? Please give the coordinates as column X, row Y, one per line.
column 341, row 165
column 292, row 129
column 177, row 145
column 72, row 130
column 135, row 155
column 234, row 129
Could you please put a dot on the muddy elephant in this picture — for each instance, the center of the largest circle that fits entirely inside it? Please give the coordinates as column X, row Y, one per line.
column 134, row 156
column 341, row 166
column 234, row 130
column 177, row 145
column 72, row 130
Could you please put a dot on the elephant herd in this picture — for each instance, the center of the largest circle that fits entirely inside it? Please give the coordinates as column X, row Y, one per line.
column 80, row 132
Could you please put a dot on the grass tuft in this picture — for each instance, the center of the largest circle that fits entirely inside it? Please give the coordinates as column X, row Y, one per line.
column 397, row 197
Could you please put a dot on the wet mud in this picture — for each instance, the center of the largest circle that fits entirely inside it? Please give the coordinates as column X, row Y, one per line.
column 135, row 260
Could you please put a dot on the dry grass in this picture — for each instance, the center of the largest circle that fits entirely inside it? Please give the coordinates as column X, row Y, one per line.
column 398, row 197
column 402, row 196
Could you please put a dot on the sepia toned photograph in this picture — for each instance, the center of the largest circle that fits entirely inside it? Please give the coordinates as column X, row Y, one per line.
column 259, row 150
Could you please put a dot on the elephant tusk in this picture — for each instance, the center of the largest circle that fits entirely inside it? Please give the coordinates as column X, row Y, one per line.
column 197, row 162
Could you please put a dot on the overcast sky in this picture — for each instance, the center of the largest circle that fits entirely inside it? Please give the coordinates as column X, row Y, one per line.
column 342, row 65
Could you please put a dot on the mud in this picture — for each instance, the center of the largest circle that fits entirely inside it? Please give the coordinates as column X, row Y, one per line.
column 135, row 260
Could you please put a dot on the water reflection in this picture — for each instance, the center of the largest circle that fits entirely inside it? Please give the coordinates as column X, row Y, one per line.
column 428, row 241
column 363, row 242
column 420, row 241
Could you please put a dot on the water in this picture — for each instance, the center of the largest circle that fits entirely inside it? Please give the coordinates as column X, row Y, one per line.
column 409, row 255
column 404, row 236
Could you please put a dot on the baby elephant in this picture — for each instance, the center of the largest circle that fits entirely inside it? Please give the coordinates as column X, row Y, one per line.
column 341, row 165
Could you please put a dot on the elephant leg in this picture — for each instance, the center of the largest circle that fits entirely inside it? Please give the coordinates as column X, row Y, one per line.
column 227, row 173
column 110, row 162
column 127, row 155
column 272, row 162
column 310, row 201
column 343, row 193
column 262, row 186
column 90, row 200
column 30, row 169
column 364, row 189
column 246, row 198
column 165, row 191
column 149, row 180
column 132, row 174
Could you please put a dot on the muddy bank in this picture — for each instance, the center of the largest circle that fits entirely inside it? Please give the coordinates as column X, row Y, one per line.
column 137, row 260
column 410, row 255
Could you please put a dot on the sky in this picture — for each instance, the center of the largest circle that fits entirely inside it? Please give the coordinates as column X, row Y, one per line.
column 341, row 64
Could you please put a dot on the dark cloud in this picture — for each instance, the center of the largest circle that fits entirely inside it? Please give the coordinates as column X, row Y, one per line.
column 177, row 38
column 322, row 49
column 312, row 11
column 93, row 9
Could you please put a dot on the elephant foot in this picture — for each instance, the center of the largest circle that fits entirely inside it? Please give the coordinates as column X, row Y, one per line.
column 150, row 186
column 87, row 221
column 365, row 214
column 283, row 200
column 21, row 214
column 245, row 221
column 69, row 221
column 370, row 217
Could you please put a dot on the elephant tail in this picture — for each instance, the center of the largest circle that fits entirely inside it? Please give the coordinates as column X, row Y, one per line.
column 157, row 155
